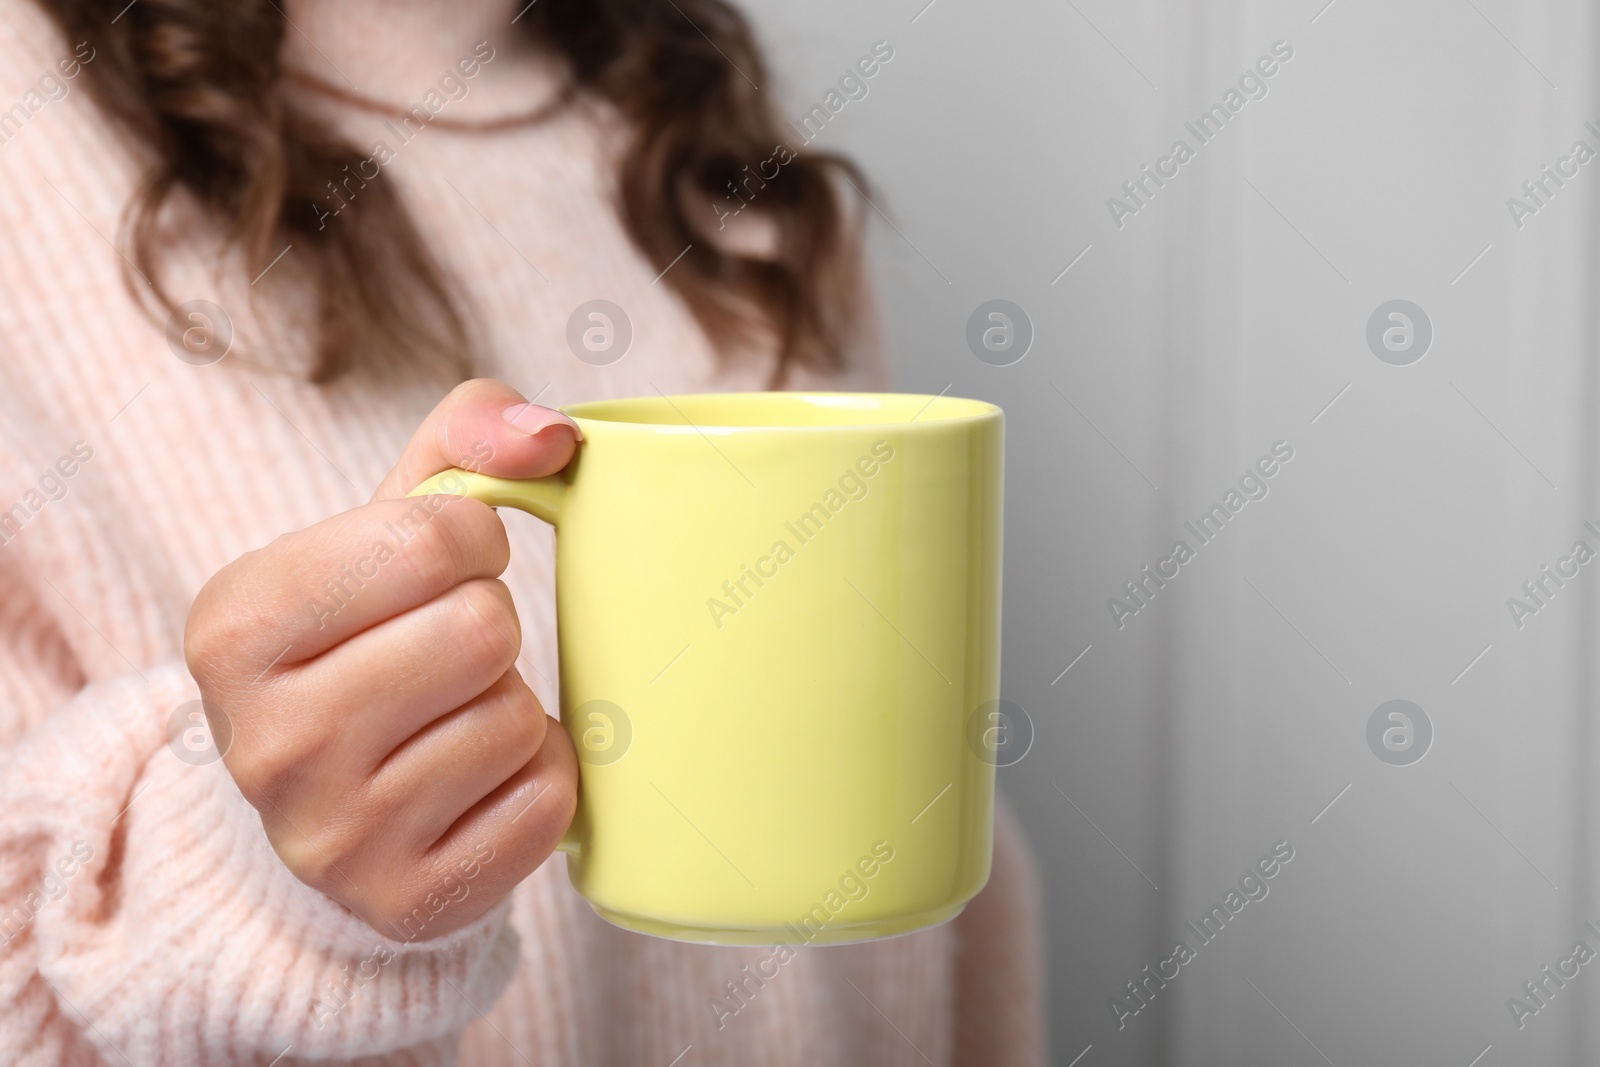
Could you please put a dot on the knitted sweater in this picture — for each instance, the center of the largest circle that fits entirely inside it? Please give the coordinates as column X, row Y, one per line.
column 144, row 919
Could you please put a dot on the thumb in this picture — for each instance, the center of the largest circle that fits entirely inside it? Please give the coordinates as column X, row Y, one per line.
column 485, row 426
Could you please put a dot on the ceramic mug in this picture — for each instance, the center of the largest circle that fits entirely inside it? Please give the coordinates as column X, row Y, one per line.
column 779, row 629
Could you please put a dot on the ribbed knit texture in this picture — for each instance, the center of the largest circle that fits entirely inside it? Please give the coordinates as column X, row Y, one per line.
column 179, row 938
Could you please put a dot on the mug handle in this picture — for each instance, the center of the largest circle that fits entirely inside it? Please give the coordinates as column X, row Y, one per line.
column 540, row 497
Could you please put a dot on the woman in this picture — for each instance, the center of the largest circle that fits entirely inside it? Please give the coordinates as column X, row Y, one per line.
column 249, row 245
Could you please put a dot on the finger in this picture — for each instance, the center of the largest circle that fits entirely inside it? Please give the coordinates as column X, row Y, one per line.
column 331, row 814
column 462, row 757
column 306, row 592
column 519, row 825
column 378, row 690
column 486, row 426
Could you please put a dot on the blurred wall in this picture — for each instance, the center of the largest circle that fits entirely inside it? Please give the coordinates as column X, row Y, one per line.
column 1441, row 858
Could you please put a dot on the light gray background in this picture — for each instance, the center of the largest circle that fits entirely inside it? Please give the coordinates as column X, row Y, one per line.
column 1226, row 316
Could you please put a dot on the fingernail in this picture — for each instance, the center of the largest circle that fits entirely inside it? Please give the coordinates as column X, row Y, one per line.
column 531, row 418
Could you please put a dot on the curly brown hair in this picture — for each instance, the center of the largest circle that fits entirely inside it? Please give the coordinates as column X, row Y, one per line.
column 197, row 82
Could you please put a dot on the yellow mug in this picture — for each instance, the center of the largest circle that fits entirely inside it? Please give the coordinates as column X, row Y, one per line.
column 779, row 629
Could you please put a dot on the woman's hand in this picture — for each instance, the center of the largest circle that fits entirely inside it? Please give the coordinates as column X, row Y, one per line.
column 400, row 763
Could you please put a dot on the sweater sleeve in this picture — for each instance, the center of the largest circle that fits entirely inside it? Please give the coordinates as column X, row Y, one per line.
column 145, row 919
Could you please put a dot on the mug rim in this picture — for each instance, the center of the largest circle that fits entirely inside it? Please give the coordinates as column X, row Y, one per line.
column 593, row 412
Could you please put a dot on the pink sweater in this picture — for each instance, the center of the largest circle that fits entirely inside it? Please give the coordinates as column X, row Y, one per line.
column 144, row 919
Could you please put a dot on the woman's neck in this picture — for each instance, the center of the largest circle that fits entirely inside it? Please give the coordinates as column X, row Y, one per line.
column 395, row 51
